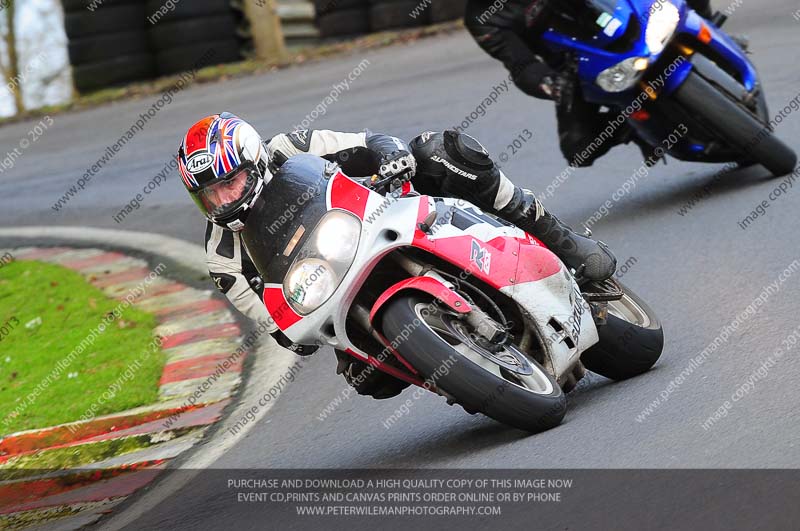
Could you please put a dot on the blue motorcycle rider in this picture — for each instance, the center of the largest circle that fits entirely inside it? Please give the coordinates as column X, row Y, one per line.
column 510, row 31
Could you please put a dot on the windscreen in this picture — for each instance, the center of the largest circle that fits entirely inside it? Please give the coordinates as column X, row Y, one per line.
column 585, row 18
column 287, row 210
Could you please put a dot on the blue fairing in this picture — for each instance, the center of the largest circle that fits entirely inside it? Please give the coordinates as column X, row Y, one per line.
column 629, row 20
column 724, row 45
column 593, row 59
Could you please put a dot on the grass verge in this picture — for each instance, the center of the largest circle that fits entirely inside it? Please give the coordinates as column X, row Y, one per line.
column 45, row 312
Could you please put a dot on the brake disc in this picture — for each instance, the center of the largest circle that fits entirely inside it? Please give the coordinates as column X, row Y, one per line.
column 508, row 357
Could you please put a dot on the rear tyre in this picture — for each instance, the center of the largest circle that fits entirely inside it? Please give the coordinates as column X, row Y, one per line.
column 631, row 341
column 735, row 125
column 440, row 349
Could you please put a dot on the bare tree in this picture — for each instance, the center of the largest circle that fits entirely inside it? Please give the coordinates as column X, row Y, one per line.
column 9, row 64
column 265, row 25
column 42, row 53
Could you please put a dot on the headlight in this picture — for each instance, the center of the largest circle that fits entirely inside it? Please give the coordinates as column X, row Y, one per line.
column 322, row 262
column 623, row 75
column 661, row 26
column 309, row 284
column 337, row 236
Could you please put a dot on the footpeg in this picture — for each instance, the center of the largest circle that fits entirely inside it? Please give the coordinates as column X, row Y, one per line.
column 605, row 291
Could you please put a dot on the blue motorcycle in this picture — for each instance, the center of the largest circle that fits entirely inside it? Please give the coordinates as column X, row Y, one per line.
column 683, row 86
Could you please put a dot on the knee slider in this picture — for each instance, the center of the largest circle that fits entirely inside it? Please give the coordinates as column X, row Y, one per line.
column 467, row 152
column 426, row 145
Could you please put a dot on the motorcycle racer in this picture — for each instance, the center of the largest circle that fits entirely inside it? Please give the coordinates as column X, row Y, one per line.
column 511, row 33
column 224, row 165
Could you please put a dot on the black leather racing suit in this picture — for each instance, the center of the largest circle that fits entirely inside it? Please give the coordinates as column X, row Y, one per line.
column 510, row 31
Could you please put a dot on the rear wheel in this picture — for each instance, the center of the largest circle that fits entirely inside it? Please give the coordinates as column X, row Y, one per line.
column 736, row 125
column 631, row 341
column 503, row 383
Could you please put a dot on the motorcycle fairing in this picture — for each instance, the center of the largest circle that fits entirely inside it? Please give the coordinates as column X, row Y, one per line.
column 693, row 25
column 429, row 285
column 522, row 268
column 541, row 286
column 485, row 249
column 592, row 59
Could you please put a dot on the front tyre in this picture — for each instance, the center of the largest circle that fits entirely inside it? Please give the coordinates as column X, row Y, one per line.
column 737, row 126
column 506, row 385
column 630, row 342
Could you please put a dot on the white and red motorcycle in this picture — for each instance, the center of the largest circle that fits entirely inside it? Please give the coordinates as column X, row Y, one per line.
column 439, row 294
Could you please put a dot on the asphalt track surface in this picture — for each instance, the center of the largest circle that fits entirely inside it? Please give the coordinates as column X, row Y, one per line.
column 698, row 271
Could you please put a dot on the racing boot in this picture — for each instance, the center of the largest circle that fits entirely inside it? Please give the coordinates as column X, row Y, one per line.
column 590, row 258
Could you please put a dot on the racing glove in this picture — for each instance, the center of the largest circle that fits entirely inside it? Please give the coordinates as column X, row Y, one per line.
column 285, row 342
column 553, row 87
column 398, row 162
column 537, row 79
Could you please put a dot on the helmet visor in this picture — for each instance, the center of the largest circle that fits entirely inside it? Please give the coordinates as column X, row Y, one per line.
column 225, row 196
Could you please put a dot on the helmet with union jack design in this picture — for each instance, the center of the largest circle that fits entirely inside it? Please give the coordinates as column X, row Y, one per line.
column 223, row 164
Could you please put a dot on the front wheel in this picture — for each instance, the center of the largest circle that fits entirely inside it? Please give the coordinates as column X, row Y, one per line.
column 735, row 125
column 631, row 341
column 502, row 383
